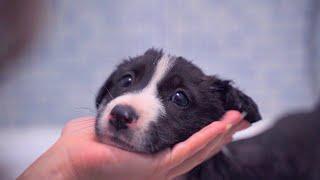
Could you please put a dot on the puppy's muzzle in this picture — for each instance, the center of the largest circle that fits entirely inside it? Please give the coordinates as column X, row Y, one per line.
column 121, row 116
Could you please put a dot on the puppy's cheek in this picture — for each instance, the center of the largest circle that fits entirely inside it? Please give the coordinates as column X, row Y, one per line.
column 99, row 127
column 101, row 121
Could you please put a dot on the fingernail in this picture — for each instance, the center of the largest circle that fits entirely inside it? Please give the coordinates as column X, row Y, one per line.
column 243, row 114
column 228, row 126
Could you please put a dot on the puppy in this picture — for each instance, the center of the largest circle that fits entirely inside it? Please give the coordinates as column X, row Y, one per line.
column 154, row 101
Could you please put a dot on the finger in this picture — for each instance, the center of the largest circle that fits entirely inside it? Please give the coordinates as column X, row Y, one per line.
column 195, row 143
column 199, row 157
column 208, row 151
column 212, row 146
column 238, row 127
column 199, row 140
column 76, row 125
column 233, row 121
column 219, row 148
column 204, row 154
column 226, row 138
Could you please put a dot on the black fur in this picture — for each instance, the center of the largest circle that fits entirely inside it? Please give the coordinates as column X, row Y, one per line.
column 210, row 97
column 290, row 150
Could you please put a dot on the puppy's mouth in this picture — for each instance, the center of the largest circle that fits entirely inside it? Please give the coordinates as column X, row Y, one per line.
column 117, row 142
column 122, row 144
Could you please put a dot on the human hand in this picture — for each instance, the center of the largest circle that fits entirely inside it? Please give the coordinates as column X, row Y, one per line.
column 79, row 155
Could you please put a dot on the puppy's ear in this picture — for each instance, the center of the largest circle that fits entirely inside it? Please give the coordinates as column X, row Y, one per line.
column 234, row 99
column 104, row 91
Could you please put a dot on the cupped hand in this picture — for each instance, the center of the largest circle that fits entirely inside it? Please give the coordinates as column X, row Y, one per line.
column 79, row 155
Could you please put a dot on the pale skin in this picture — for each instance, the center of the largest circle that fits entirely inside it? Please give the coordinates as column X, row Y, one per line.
column 78, row 155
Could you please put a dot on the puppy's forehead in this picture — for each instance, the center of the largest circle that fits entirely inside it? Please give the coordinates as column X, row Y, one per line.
column 182, row 73
column 148, row 71
column 140, row 64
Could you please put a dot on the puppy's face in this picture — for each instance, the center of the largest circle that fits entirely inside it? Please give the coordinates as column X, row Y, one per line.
column 154, row 101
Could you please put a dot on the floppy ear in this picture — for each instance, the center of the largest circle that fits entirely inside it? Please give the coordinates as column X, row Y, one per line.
column 234, row 99
column 104, row 90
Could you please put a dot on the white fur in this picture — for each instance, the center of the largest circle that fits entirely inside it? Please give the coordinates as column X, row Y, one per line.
column 145, row 102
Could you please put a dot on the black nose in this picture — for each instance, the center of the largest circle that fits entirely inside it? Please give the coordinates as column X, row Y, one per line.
column 121, row 115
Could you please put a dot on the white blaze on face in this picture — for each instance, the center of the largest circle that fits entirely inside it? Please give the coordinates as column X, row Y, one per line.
column 145, row 102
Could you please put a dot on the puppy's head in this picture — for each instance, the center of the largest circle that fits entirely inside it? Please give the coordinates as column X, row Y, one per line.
column 154, row 101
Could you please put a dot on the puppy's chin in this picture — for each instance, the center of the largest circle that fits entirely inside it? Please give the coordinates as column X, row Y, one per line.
column 117, row 142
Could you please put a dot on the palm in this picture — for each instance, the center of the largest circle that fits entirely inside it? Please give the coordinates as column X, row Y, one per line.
column 86, row 152
column 94, row 159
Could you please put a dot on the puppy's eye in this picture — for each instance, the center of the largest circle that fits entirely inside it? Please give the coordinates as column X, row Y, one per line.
column 180, row 99
column 125, row 81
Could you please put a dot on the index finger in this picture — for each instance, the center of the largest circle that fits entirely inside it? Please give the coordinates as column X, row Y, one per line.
column 199, row 140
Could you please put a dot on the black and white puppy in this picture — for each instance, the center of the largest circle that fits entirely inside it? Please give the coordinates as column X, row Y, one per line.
column 153, row 101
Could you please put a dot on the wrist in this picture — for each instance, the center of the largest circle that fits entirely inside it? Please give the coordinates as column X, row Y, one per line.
column 53, row 164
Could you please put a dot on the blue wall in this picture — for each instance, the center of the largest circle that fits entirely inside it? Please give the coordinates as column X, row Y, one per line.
column 261, row 45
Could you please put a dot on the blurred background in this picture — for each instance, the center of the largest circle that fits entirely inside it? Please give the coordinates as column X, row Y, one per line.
column 55, row 54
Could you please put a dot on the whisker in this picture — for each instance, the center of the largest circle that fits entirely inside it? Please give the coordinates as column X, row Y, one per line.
column 152, row 146
column 90, row 111
column 108, row 92
column 89, row 119
column 95, row 95
column 97, row 104
column 83, row 122
column 86, row 114
column 85, row 108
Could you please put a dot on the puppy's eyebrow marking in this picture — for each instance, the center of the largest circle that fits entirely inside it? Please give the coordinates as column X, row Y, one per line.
column 163, row 66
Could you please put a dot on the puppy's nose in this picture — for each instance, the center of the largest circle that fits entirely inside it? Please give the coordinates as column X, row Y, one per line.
column 121, row 115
